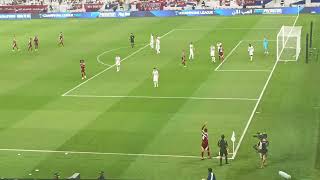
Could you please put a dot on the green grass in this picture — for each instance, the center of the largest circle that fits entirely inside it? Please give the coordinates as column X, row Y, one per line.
column 34, row 115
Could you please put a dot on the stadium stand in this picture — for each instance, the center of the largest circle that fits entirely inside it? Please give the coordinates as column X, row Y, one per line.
column 44, row 6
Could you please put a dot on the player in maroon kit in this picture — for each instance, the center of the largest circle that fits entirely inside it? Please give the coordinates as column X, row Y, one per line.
column 14, row 44
column 83, row 69
column 205, row 141
column 183, row 58
column 61, row 40
column 221, row 53
column 30, row 45
column 36, row 43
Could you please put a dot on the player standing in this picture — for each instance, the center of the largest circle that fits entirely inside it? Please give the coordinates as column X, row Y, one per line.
column 36, row 43
column 151, row 41
column 158, row 45
column 266, row 45
column 212, row 53
column 191, row 53
column 220, row 51
column 61, row 39
column 223, row 146
column 205, row 141
column 30, row 45
column 15, row 44
column 83, row 69
column 183, row 58
column 155, row 74
column 132, row 40
column 118, row 61
column 250, row 51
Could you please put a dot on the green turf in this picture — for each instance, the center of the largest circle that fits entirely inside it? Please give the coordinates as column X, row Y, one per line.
column 35, row 115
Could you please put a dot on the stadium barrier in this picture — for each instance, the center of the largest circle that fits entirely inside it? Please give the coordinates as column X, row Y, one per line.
column 163, row 13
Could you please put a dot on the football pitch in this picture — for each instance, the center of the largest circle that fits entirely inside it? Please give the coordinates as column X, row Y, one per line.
column 52, row 121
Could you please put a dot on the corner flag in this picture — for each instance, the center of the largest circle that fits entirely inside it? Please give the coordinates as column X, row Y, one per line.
column 233, row 137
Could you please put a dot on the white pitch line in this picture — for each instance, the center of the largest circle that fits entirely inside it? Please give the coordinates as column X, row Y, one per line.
column 218, row 28
column 103, row 153
column 110, row 50
column 163, row 97
column 249, row 70
column 259, row 100
column 98, row 57
column 84, row 82
column 229, row 55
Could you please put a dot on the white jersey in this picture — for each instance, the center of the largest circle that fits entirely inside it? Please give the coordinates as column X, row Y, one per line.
column 118, row 60
column 250, row 50
column 212, row 51
column 158, row 42
column 155, row 74
column 191, row 47
column 151, row 41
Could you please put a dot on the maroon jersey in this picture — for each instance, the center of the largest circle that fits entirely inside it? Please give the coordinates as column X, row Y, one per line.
column 221, row 51
column 205, row 141
column 14, row 43
column 36, row 41
column 83, row 67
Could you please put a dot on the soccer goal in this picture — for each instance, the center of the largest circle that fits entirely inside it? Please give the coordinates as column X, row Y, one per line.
column 289, row 43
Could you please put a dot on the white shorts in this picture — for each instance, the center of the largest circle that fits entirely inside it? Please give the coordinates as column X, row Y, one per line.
column 155, row 79
column 212, row 54
column 117, row 63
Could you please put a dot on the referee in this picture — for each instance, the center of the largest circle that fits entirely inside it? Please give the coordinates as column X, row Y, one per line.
column 132, row 40
column 223, row 145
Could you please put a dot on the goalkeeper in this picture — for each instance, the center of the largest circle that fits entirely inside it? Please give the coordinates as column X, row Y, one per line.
column 266, row 45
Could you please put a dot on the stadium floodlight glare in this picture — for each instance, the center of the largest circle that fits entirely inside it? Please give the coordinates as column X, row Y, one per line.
column 289, row 43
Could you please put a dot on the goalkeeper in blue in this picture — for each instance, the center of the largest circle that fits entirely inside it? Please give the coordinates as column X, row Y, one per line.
column 266, row 45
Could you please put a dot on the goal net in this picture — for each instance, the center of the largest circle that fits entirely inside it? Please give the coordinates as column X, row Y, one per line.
column 289, row 43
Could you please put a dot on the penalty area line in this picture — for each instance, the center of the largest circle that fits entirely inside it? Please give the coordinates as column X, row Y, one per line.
column 103, row 153
column 228, row 55
column 163, row 97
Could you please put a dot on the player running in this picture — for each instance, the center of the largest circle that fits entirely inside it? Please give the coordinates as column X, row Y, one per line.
column 61, row 40
column 205, row 141
column 250, row 51
column 191, row 53
column 151, row 41
column 132, row 40
column 158, row 45
column 183, row 58
column 155, row 74
column 220, row 51
column 266, row 45
column 212, row 53
column 36, row 43
column 30, row 45
column 83, row 69
column 15, row 44
column 118, row 62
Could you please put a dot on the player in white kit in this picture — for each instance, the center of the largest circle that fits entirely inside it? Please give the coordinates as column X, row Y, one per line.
column 151, row 41
column 250, row 51
column 191, row 53
column 158, row 45
column 212, row 53
column 118, row 61
column 155, row 74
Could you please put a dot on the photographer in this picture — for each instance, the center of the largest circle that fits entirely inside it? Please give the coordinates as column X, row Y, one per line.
column 262, row 147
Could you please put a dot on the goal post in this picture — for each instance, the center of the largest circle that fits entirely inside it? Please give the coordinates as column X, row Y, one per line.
column 289, row 43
